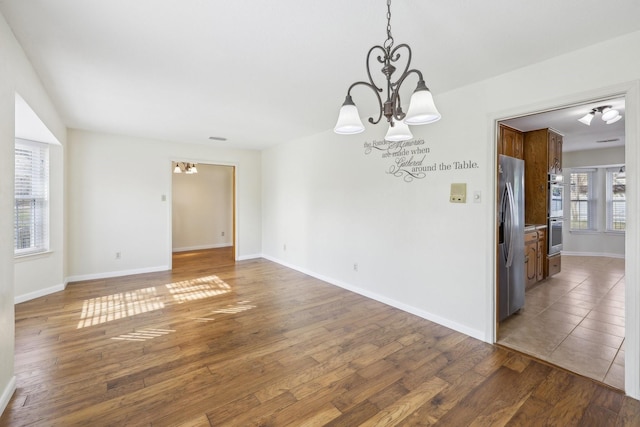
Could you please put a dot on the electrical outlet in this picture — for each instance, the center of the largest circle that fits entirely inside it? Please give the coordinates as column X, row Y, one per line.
column 118, row 255
column 355, row 266
column 284, row 247
column 222, row 234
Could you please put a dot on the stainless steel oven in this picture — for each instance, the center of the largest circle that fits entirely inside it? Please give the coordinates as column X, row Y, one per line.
column 555, row 235
column 556, row 195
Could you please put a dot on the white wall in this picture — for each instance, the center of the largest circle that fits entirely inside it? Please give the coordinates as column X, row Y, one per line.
column 202, row 214
column 333, row 205
column 599, row 242
column 115, row 201
column 18, row 76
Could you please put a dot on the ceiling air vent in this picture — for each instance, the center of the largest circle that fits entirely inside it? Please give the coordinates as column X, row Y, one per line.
column 602, row 141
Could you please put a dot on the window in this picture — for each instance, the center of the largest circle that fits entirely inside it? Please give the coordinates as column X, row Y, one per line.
column 616, row 199
column 582, row 200
column 31, row 202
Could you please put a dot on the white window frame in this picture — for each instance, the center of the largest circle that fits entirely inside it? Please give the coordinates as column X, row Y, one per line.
column 591, row 200
column 31, row 195
column 611, row 174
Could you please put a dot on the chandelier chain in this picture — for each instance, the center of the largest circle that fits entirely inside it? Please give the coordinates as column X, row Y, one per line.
column 388, row 44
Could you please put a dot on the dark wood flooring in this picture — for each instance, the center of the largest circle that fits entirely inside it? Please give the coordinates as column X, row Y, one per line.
column 219, row 343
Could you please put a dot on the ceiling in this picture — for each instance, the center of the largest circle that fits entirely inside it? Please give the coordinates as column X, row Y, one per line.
column 260, row 73
column 578, row 136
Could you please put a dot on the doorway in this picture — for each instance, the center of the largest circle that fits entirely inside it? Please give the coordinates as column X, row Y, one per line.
column 203, row 213
column 575, row 318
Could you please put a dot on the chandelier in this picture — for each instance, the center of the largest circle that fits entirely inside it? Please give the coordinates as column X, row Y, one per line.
column 188, row 168
column 609, row 115
column 422, row 109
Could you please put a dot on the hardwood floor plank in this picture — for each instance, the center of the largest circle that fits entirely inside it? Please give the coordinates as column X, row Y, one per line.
column 403, row 407
column 533, row 412
column 434, row 409
column 355, row 416
column 571, row 406
column 504, row 389
column 255, row 343
column 629, row 414
column 255, row 416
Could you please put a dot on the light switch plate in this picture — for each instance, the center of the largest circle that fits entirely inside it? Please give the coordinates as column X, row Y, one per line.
column 458, row 193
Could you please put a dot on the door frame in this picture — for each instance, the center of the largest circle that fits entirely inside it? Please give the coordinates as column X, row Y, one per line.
column 234, row 203
column 631, row 93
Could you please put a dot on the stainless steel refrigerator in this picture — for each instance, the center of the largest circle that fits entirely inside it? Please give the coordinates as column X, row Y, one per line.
column 511, row 275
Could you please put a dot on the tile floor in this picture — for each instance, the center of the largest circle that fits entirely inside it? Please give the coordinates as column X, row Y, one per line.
column 575, row 319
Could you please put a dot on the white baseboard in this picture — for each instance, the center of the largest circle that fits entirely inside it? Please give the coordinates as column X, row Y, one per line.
column 602, row 254
column 120, row 273
column 202, row 247
column 7, row 393
column 474, row 333
column 246, row 257
column 39, row 293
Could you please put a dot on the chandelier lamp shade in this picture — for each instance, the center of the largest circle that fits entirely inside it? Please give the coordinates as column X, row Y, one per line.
column 422, row 109
column 188, row 168
column 609, row 115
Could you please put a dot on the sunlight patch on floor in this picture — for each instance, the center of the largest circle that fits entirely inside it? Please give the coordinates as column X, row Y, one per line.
column 195, row 289
column 143, row 334
column 233, row 309
column 100, row 310
column 96, row 311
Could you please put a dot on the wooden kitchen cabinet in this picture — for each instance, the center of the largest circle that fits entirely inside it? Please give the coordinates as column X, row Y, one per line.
column 531, row 258
column 554, row 161
column 535, row 250
column 541, row 255
column 542, row 155
column 510, row 142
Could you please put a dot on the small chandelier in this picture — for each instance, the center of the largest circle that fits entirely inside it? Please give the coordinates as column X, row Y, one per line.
column 188, row 168
column 421, row 110
column 609, row 115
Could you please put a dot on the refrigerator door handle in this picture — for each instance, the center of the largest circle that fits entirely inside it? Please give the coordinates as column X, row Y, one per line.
column 512, row 218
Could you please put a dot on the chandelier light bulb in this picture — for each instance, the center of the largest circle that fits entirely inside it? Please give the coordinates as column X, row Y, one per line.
column 422, row 109
column 586, row 119
column 398, row 132
column 348, row 120
column 615, row 119
column 609, row 114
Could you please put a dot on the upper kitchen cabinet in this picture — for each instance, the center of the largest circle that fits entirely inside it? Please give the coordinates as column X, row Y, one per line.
column 554, row 161
column 510, row 142
column 545, row 145
column 542, row 156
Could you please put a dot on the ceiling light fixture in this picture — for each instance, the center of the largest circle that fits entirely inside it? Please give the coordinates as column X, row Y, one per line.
column 621, row 172
column 609, row 115
column 188, row 168
column 422, row 109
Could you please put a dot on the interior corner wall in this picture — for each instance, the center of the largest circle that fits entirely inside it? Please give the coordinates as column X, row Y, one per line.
column 202, row 208
column 17, row 76
column 119, row 201
column 346, row 219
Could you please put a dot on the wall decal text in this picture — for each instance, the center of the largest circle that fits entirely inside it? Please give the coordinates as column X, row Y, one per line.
column 409, row 159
